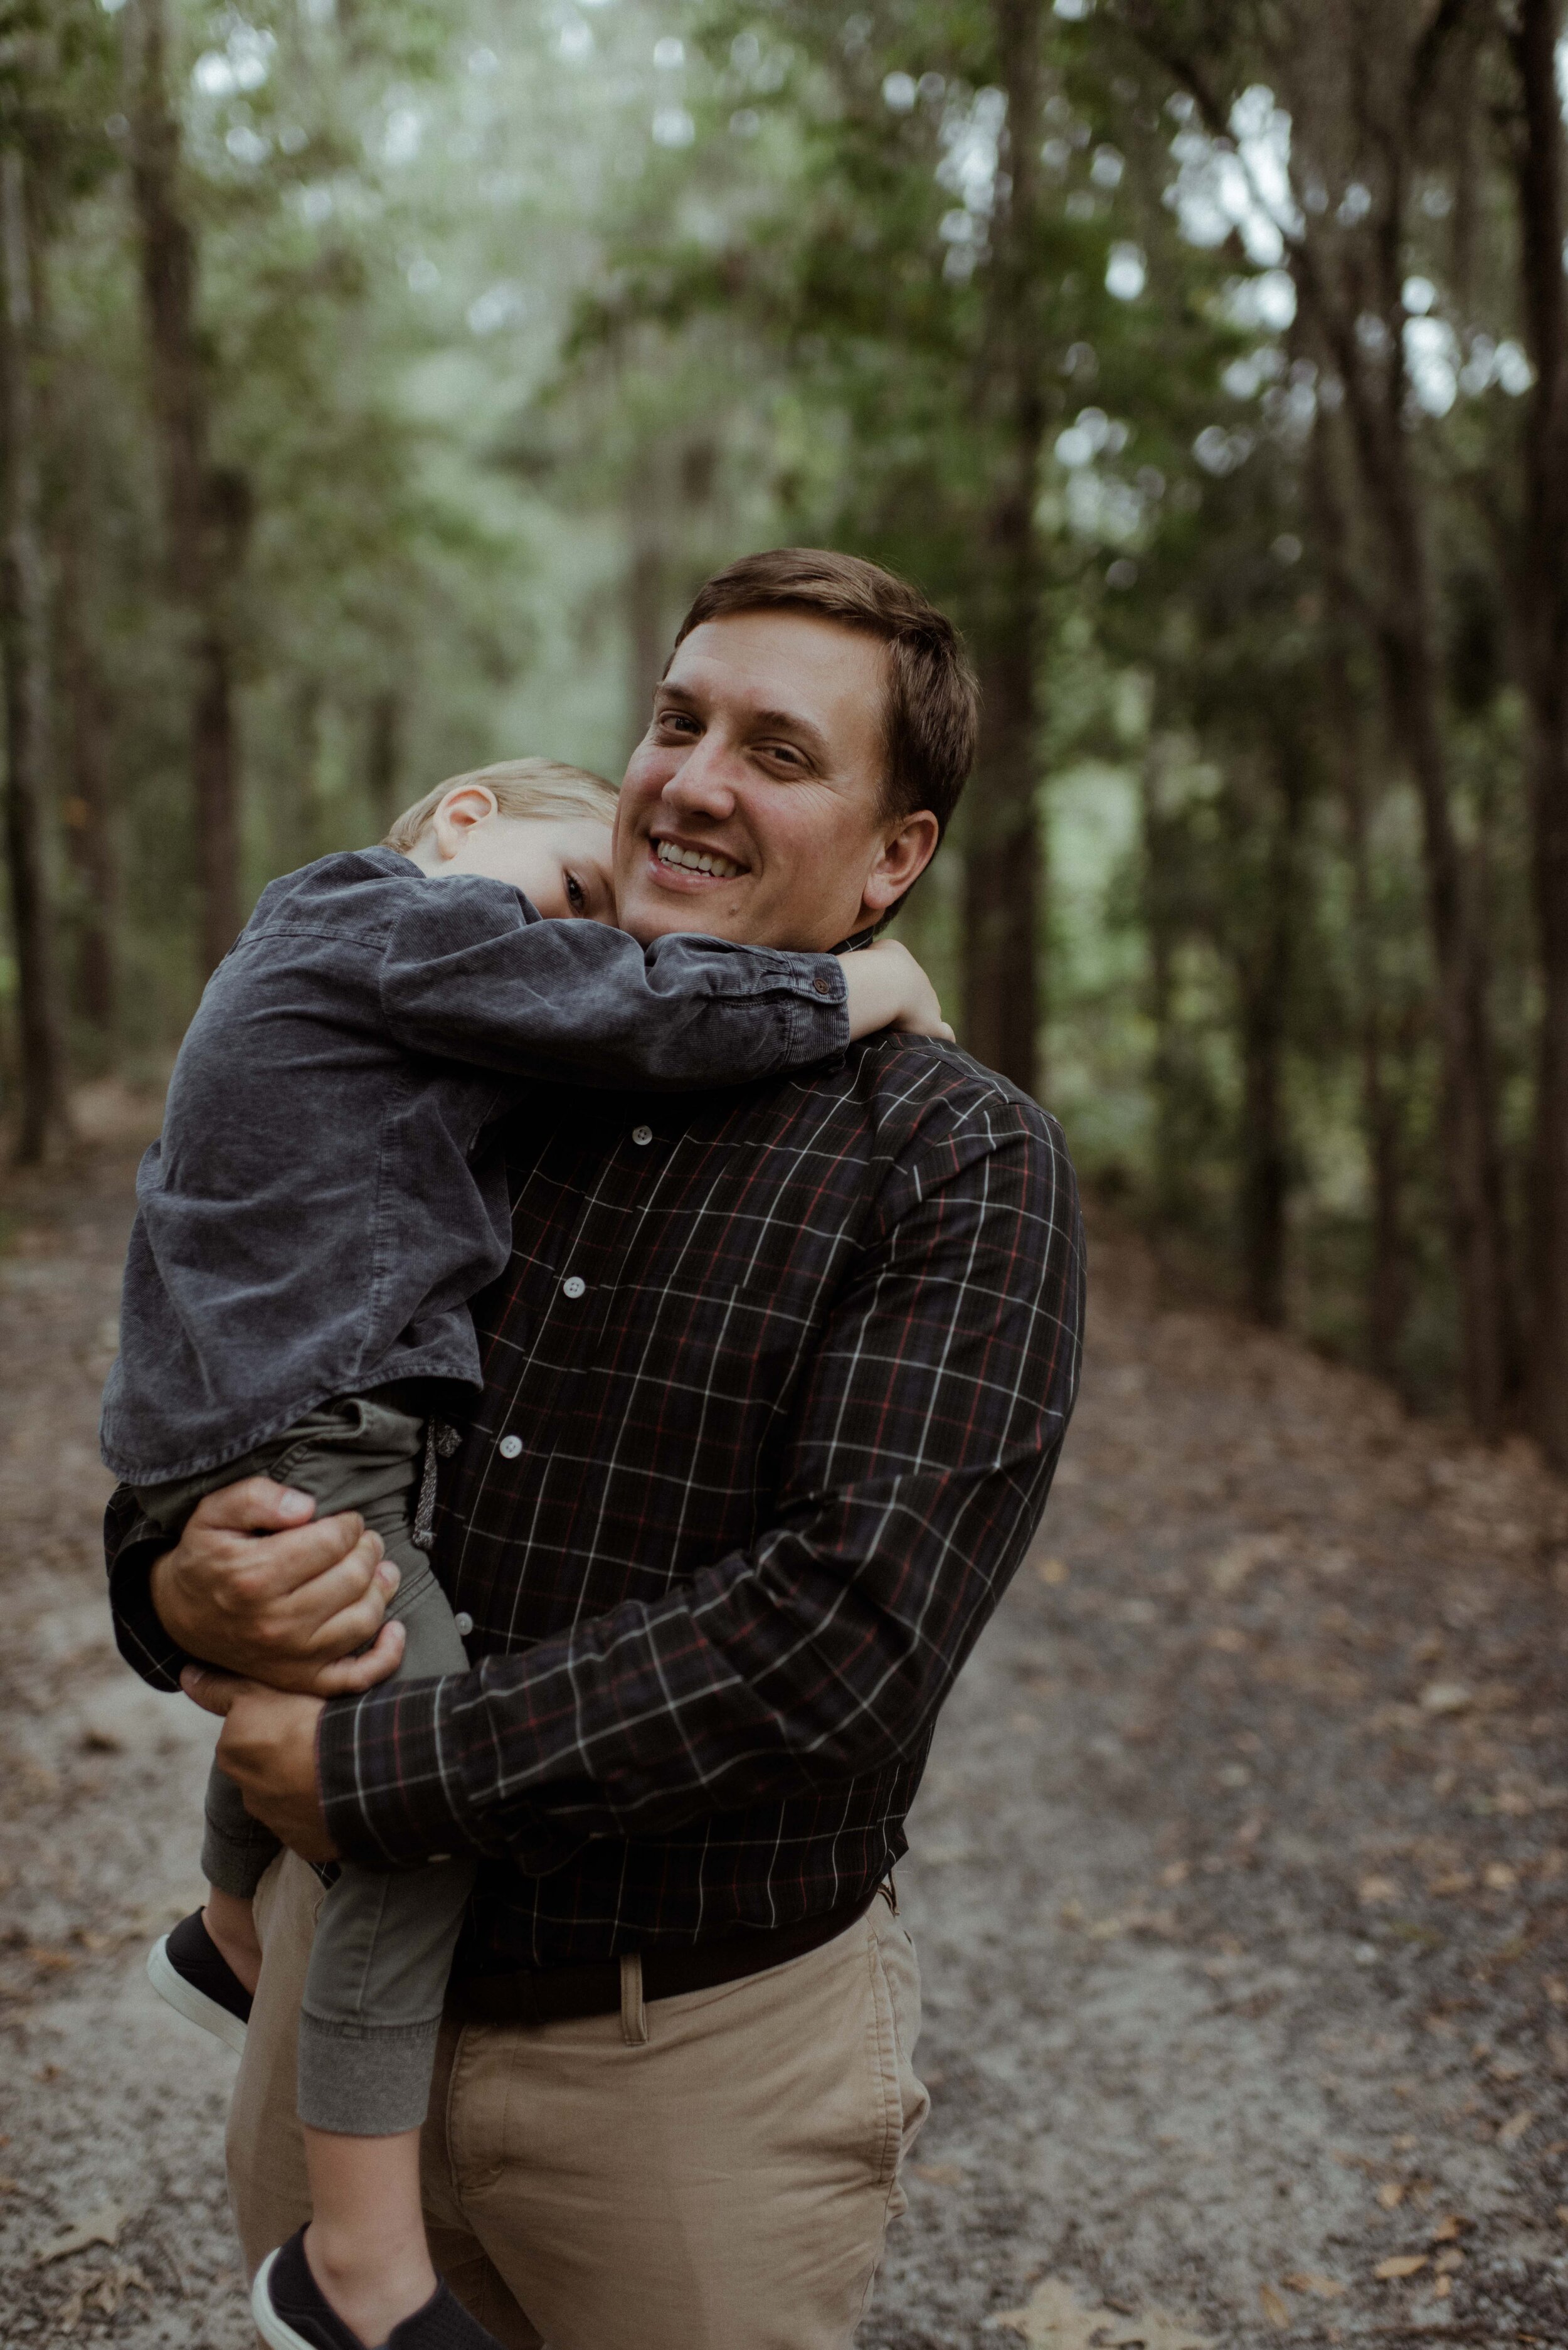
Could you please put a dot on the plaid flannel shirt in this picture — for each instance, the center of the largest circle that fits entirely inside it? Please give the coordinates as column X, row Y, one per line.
column 774, row 1386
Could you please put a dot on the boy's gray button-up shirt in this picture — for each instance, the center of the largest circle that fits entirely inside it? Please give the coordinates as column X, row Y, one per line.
column 324, row 1198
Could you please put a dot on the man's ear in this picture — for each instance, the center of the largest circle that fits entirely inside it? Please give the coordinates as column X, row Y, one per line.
column 458, row 813
column 906, row 852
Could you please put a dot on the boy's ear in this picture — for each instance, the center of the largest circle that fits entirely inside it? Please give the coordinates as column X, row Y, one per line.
column 459, row 812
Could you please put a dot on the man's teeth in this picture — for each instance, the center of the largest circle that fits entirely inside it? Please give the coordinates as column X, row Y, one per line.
column 697, row 860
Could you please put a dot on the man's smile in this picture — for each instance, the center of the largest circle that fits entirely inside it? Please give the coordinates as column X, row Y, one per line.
column 691, row 863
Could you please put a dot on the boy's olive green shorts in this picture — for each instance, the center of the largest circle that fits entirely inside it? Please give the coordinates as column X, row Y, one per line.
column 372, row 1999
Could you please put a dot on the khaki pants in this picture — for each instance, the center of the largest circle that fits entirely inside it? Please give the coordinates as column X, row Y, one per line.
column 712, row 2172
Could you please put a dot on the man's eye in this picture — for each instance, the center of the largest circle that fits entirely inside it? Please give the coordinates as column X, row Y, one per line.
column 576, row 896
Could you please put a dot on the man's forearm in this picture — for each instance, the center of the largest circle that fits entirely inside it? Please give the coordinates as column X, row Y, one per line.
column 774, row 1674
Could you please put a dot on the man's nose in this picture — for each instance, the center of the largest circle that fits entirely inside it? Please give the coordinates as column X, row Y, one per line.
column 704, row 782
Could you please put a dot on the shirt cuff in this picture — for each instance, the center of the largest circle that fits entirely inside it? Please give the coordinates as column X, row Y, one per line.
column 389, row 1771
column 820, row 1009
column 132, row 1545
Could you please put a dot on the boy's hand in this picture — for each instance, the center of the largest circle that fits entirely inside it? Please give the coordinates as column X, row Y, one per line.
column 257, row 1586
column 886, row 988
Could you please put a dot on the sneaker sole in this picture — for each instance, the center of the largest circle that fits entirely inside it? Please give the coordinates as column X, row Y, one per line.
column 195, row 2007
column 275, row 2331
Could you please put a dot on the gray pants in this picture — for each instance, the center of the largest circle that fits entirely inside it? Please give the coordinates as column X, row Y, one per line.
column 378, row 1973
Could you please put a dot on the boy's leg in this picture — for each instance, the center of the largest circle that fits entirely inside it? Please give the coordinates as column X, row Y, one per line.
column 377, row 1975
column 268, row 2189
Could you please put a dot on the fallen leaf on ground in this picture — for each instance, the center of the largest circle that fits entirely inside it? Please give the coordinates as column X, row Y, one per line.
column 1327, row 2288
column 1447, row 2230
column 1275, row 2308
column 1391, row 2194
column 1499, row 1877
column 1052, row 1571
column 1055, row 2319
column 1446, row 1697
column 1378, row 1888
column 1457, row 1880
column 1401, row 2265
column 1514, row 2129
column 1236, row 1562
column 100, row 2226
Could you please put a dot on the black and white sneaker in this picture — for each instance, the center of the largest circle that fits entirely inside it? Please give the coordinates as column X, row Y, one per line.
column 292, row 2312
column 187, row 1968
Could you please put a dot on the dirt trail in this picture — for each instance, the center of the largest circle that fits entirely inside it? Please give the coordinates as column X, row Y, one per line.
column 1239, row 1875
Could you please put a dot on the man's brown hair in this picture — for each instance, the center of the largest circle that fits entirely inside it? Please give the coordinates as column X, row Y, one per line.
column 931, row 712
column 522, row 788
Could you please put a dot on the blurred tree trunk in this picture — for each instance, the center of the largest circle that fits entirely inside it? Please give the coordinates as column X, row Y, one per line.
column 647, row 622
column 1412, row 685
column 1169, row 1200
column 1266, row 970
column 1002, row 845
column 206, row 508
column 1539, row 579
column 1387, row 1287
column 24, row 626
column 89, row 810
column 384, row 760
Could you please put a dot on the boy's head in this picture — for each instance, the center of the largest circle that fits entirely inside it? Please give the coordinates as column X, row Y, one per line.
column 542, row 827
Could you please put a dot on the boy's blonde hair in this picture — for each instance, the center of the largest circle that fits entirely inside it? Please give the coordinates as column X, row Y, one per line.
column 522, row 788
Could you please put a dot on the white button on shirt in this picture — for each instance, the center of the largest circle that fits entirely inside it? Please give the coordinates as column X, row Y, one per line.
column 510, row 1447
column 574, row 1286
column 463, row 1622
column 642, row 1134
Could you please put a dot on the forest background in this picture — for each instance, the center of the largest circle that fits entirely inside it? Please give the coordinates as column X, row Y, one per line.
column 378, row 378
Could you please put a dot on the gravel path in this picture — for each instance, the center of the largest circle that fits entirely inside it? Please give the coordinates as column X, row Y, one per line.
column 1240, row 1874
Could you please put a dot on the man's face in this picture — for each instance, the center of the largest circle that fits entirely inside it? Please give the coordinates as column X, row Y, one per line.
column 765, row 761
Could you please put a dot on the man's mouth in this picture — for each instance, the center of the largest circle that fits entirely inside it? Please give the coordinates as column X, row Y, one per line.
column 675, row 857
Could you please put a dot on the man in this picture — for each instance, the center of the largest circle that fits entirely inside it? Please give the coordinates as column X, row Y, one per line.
column 775, row 1388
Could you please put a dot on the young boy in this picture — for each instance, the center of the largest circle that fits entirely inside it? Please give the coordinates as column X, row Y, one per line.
column 322, row 1206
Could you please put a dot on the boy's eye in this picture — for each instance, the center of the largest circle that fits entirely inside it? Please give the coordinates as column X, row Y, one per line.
column 577, row 896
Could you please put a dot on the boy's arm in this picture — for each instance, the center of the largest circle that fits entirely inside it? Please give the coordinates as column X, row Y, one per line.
column 467, row 976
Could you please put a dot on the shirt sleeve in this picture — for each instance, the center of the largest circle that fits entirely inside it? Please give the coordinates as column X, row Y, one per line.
column 472, row 973
column 920, row 1460
column 130, row 1544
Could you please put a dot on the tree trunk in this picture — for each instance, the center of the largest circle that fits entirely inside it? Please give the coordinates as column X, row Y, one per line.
column 24, row 624
column 1375, row 396
column 647, row 599
column 384, row 760
column 1387, row 1298
column 1267, row 971
column 205, row 509
column 1003, row 852
column 1539, row 579
column 1159, row 929
column 89, row 809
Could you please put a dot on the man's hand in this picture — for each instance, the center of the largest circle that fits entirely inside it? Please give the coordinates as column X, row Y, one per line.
column 256, row 1586
column 886, row 988
column 267, row 1747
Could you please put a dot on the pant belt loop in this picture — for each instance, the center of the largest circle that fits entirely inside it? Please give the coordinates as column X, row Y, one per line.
column 424, row 1509
column 633, row 2015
